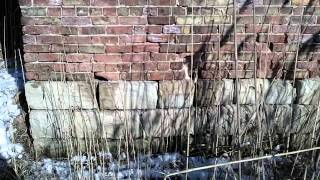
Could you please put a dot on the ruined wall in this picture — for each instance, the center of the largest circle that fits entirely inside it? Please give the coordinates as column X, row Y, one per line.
column 155, row 45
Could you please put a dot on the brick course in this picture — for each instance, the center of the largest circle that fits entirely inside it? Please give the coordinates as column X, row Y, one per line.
column 152, row 40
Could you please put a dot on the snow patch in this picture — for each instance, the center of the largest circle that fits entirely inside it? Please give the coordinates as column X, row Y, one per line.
column 8, row 112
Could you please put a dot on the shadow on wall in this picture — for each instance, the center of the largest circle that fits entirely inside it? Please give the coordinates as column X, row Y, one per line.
column 10, row 30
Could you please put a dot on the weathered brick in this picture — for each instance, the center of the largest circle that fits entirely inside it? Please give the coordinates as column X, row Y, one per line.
column 118, row 48
column 73, row 58
column 107, row 58
column 104, row 2
column 161, row 20
column 135, row 57
column 91, row 49
column 104, row 20
column 130, row 20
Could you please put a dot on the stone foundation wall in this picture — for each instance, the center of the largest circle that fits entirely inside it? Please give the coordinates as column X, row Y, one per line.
column 61, row 111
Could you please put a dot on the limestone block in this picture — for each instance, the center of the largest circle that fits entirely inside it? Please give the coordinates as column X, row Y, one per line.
column 84, row 124
column 302, row 2
column 305, row 119
column 247, row 90
column 280, row 92
column 210, row 93
column 278, row 119
column 308, row 91
column 176, row 94
column 60, row 95
column 167, row 122
column 128, row 95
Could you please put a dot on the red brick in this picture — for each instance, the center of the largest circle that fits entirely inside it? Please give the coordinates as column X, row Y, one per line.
column 50, row 57
column 105, row 39
column 68, row 11
column 72, row 67
column 79, row 58
column 161, row 20
column 104, row 20
column 67, row 48
column 140, row 20
column 147, row 47
column 176, row 65
column 107, row 58
column 251, row 28
column 132, row 38
column 36, row 48
column 118, row 48
column 110, row 11
column 162, row 2
column 25, row 2
column 111, row 68
column 123, row 67
column 285, row 28
column 159, row 75
column 54, row 11
column 76, row 2
column 150, row 66
column 30, row 57
column 153, row 29
column 133, row 2
column 164, row 56
column 76, row 39
column 135, row 57
column 98, row 67
column 163, row 66
column 76, row 21
column 85, row 67
column 29, row 39
column 173, row 48
column 119, row 29
column 137, row 67
column 47, row 2
column 32, row 76
column 160, row 38
column 49, row 39
column 92, row 30
column 104, row 2
column 36, row 29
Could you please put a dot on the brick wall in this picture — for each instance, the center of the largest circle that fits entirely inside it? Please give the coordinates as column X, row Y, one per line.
column 152, row 39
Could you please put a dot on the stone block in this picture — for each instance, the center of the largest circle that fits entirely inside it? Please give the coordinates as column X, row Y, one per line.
column 280, row 92
column 247, row 90
column 60, row 95
column 308, row 91
column 128, row 95
column 176, row 94
column 61, row 124
column 305, row 119
column 210, row 93
column 167, row 122
column 278, row 119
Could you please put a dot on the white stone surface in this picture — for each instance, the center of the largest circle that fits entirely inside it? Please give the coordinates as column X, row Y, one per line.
column 176, row 94
column 247, row 90
column 280, row 92
column 308, row 91
column 167, row 122
column 84, row 124
column 128, row 95
column 219, row 92
column 60, row 95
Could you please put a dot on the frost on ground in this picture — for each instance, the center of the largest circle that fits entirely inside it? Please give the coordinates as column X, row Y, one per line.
column 9, row 110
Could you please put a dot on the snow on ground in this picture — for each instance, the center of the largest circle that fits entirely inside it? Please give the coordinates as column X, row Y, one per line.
column 147, row 167
column 9, row 87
